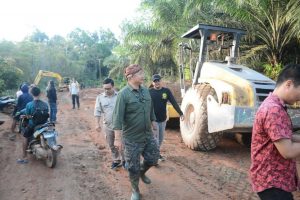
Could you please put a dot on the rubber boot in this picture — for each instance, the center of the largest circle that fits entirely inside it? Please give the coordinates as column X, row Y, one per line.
column 144, row 169
column 135, row 188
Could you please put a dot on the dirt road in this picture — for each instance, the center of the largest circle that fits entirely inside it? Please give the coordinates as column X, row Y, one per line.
column 83, row 169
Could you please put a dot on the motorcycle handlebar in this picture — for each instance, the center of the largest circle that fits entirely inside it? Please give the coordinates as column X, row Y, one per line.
column 25, row 116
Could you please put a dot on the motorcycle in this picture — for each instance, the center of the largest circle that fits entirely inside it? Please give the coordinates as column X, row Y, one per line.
column 7, row 104
column 42, row 145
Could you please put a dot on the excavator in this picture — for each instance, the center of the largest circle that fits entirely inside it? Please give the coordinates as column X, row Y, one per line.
column 63, row 82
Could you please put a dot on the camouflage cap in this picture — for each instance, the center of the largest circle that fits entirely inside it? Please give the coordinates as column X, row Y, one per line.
column 131, row 70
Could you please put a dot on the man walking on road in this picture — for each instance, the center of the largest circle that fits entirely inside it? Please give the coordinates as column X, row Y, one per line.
column 160, row 96
column 105, row 104
column 134, row 115
column 274, row 147
column 74, row 90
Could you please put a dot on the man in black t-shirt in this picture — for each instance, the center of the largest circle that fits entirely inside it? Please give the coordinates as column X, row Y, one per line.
column 160, row 96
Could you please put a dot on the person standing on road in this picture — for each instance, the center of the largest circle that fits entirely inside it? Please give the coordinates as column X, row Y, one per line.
column 160, row 96
column 274, row 148
column 134, row 115
column 104, row 107
column 52, row 100
column 74, row 91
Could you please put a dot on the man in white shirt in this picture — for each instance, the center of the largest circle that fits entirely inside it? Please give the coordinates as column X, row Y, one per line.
column 104, row 107
column 74, row 90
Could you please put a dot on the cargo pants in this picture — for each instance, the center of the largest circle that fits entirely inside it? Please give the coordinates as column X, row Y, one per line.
column 115, row 145
column 133, row 152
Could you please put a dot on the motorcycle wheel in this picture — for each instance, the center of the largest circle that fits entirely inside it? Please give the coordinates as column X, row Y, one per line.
column 51, row 158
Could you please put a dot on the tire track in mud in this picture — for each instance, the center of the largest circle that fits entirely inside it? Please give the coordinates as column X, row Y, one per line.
column 196, row 179
column 223, row 171
column 225, row 182
column 94, row 177
column 82, row 156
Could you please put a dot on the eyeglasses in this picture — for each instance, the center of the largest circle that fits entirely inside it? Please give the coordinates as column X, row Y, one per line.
column 156, row 80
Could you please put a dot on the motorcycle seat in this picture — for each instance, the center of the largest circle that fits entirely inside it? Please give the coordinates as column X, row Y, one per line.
column 43, row 125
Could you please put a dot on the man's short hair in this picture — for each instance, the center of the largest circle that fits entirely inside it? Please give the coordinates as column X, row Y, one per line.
column 35, row 91
column 289, row 72
column 109, row 81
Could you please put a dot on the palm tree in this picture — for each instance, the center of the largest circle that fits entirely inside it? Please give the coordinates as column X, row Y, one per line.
column 272, row 24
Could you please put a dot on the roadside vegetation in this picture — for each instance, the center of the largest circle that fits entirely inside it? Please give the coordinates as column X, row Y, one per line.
column 272, row 41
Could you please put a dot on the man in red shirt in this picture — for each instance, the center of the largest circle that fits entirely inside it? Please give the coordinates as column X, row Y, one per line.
column 274, row 148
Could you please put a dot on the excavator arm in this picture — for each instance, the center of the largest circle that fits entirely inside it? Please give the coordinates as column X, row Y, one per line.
column 62, row 81
column 48, row 74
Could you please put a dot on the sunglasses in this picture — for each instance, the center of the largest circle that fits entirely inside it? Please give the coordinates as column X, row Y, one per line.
column 156, row 80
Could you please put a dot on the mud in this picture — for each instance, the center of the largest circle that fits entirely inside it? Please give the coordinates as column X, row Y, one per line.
column 83, row 168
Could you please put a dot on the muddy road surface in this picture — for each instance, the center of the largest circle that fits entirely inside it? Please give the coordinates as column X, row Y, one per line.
column 83, row 167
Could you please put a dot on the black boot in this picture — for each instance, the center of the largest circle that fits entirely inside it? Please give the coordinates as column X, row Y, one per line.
column 144, row 169
column 134, row 180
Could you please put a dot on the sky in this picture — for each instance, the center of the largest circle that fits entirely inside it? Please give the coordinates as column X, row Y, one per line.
column 20, row 18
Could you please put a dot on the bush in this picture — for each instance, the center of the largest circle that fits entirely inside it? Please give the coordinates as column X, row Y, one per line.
column 9, row 77
column 272, row 71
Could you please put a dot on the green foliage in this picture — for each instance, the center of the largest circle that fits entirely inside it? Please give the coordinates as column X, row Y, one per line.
column 152, row 39
column 80, row 55
column 38, row 36
column 272, row 71
column 273, row 30
column 271, row 24
column 9, row 75
column 2, row 86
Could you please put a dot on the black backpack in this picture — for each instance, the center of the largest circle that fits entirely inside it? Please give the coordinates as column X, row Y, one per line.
column 40, row 114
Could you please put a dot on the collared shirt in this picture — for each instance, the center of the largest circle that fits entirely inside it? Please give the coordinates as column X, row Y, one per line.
column 105, row 106
column 74, row 88
column 268, row 168
column 133, row 113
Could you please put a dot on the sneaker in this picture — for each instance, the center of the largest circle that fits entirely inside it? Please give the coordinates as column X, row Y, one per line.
column 22, row 161
column 161, row 158
column 115, row 165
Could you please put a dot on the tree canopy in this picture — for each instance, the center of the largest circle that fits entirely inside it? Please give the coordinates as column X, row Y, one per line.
column 152, row 39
